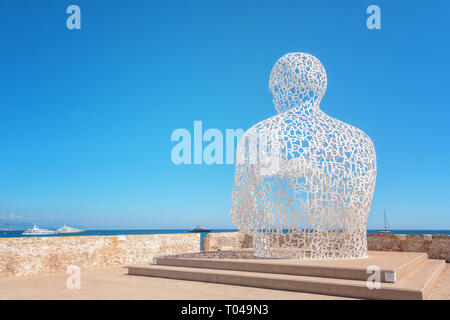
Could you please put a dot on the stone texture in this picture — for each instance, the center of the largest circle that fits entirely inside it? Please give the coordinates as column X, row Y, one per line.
column 31, row 255
column 227, row 241
column 220, row 254
column 114, row 283
column 416, row 285
column 436, row 246
column 398, row 263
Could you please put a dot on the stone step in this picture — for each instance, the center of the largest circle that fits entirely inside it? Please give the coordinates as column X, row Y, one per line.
column 416, row 285
column 393, row 265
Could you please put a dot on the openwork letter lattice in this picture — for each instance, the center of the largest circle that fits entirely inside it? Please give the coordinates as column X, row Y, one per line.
column 303, row 180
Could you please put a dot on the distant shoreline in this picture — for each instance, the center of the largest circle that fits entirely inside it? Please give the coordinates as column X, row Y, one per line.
column 112, row 232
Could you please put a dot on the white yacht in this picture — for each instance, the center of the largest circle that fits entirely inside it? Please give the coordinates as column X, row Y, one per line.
column 38, row 231
column 66, row 229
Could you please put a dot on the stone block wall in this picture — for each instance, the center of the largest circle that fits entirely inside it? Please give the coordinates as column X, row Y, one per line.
column 227, row 241
column 32, row 255
column 437, row 246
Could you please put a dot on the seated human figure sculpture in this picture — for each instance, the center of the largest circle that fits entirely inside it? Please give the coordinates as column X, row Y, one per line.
column 304, row 181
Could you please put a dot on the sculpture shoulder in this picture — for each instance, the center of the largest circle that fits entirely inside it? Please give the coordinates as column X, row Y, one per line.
column 344, row 132
column 321, row 131
column 347, row 141
column 272, row 123
column 267, row 126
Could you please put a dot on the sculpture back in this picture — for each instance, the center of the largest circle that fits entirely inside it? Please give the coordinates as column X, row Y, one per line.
column 307, row 191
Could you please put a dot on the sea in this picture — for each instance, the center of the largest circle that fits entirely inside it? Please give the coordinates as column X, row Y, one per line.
column 18, row 233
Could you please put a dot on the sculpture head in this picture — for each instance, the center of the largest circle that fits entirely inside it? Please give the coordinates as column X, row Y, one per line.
column 297, row 79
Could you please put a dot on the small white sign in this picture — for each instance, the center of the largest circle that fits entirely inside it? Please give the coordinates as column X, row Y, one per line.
column 390, row 277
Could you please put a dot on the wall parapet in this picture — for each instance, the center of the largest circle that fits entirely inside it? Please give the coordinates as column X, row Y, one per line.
column 32, row 255
column 227, row 241
column 437, row 246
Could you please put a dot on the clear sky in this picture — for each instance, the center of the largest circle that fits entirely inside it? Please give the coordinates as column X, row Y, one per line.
column 86, row 115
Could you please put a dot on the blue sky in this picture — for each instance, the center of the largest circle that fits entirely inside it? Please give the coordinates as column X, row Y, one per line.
column 86, row 115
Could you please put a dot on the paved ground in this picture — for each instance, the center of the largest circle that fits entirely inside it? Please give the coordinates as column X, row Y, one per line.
column 441, row 290
column 114, row 283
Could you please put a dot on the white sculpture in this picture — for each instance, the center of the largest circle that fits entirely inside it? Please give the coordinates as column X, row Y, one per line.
column 303, row 180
